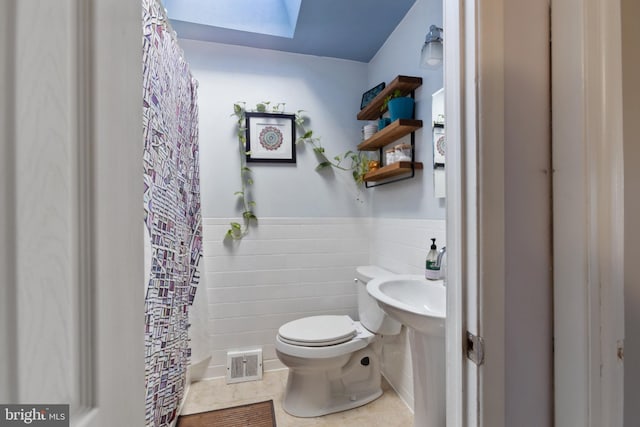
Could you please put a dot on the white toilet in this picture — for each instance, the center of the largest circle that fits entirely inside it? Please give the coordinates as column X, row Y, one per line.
column 334, row 361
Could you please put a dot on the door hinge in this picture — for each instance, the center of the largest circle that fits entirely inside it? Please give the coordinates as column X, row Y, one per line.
column 475, row 348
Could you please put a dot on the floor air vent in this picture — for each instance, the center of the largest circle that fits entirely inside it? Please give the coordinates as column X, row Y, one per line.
column 244, row 366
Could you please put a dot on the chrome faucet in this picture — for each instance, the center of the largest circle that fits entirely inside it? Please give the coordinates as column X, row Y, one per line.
column 442, row 252
column 441, row 262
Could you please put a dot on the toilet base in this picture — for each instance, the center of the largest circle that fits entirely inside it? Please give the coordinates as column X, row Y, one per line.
column 313, row 392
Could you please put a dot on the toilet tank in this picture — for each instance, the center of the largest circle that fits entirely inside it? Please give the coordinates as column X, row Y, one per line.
column 370, row 314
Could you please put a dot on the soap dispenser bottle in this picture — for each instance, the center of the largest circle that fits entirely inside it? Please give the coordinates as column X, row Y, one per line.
column 432, row 269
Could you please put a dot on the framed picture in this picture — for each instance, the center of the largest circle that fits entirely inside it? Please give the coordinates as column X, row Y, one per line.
column 271, row 137
column 368, row 96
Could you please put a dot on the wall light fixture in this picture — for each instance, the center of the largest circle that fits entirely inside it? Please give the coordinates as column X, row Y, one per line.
column 431, row 54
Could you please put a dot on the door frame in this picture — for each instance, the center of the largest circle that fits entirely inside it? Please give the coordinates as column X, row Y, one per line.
column 588, row 188
column 474, row 110
column 459, row 394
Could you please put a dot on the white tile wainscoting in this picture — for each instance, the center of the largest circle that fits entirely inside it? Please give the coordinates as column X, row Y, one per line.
column 287, row 268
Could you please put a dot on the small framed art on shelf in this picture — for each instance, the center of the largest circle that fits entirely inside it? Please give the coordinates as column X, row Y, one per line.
column 368, row 96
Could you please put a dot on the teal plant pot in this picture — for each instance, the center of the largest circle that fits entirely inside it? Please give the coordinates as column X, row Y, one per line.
column 401, row 108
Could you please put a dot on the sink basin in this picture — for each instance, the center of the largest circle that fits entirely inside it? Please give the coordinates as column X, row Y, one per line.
column 414, row 301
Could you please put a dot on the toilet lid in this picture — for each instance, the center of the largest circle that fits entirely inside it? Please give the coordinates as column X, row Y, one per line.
column 318, row 331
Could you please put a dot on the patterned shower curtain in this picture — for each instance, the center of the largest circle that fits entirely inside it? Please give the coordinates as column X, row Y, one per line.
column 172, row 212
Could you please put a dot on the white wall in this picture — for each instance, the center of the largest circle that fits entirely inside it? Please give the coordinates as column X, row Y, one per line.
column 400, row 55
column 285, row 269
column 329, row 90
column 631, row 100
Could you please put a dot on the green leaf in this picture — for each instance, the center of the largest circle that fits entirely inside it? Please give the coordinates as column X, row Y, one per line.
column 236, row 226
column 252, row 203
column 307, row 135
column 234, row 233
column 337, row 158
column 239, row 193
column 249, row 181
column 261, row 108
column 246, row 169
column 318, row 150
column 323, row 165
column 248, row 215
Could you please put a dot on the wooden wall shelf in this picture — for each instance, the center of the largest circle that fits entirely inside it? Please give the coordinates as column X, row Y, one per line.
column 390, row 133
column 392, row 170
column 405, row 84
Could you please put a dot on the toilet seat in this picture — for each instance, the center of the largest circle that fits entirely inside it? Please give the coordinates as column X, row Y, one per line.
column 318, row 331
column 361, row 338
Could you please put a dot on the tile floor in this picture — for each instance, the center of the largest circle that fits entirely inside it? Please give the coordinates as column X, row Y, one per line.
column 386, row 411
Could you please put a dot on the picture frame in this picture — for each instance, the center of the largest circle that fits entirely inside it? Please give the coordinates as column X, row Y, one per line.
column 270, row 137
column 368, row 96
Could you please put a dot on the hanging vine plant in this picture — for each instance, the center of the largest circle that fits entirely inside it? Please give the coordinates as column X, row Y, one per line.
column 355, row 162
column 350, row 161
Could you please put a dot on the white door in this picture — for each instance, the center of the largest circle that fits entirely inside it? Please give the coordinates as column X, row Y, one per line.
column 474, row 224
column 72, row 328
column 464, row 392
column 498, row 212
column 460, row 113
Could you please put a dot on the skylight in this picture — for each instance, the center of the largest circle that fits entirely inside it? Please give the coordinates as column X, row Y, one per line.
column 270, row 17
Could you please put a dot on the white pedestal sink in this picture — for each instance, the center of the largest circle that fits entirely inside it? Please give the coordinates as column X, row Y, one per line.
column 420, row 305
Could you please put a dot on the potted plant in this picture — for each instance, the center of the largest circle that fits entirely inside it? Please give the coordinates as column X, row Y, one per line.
column 400, row 107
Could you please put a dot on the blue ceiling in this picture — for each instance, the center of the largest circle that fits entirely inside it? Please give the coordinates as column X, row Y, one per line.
column 346, row 29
